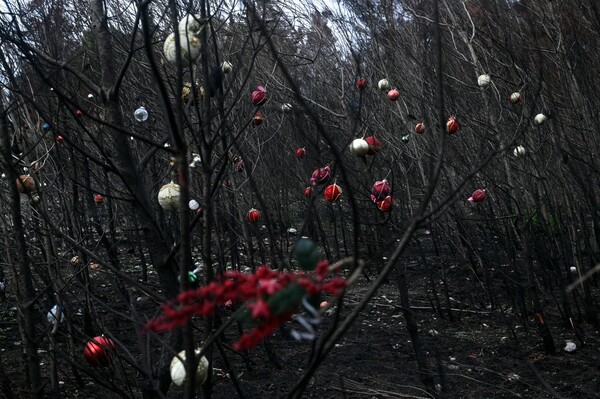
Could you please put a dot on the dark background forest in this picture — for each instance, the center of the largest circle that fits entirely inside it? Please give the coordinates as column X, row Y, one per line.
column 441, row 155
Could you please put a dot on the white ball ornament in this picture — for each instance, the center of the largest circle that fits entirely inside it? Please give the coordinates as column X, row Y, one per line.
column 484, row 80
column 226, row 67
column 141, row 114
column 53, row 316
column 191, row 25
column 190, row 48
column 515, row 97
column 519, row 151
column 540, row 119
column 168, row 196
column 287, row 107
column 178, row 373
column 384, row 85
column 359, row 147
column 193, row 204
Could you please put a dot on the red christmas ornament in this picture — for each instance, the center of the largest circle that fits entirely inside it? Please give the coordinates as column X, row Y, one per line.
column 361, row 84
column 393, row 95
column 332, row 192
column 79, row 112
column 259, row 96
column 420, row 128
column 253, row 215
column 98, row 199
column 258, row 119
column 386, row 205
column 380, row 190
column 320, row 176
column 478, row 195
column 300, row 152
column 98, row 351
column 308, row 192
column 59, row 139
column 452, row 125
column 374, row 144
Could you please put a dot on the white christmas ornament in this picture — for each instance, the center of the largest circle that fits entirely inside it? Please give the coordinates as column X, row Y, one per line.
column 519, row 151
column 168, row 197
column 570, row 346
column 573, row 269
column 287, row 107
column 484, row 80
column 194, row 205
column 140, row 114
column 359, row 147
column 226, row 67
column 190, row 48
column 515, row 97
column 178, row 369
column 191, row 24
column 540, row 119
column 53, row 315
column 384, row 85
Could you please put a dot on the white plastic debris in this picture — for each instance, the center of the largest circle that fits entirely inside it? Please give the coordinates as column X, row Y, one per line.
column 570, row 346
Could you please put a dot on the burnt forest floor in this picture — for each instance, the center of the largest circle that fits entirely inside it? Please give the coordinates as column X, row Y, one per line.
column 473, row 356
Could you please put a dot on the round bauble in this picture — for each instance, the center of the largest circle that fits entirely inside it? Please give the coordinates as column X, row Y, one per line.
column 98, row 351
column 59, row 139
column 380, row 190
column 332, row 192
column 253, row 215
column 193, row 205
column 190, row 48
column 300, row 152
column 478, row 195
column 519, row 151
column 359, row 147
column 484, row 80
column 140, row 115
column 405, row 138
column 98, row 199
column 515, row 97
column 178, row 373
column 308, row 192
column 287, row 107
column 191, row 25
column 386, row 205
column 361, row 84
column 79, row 112
column 259, row 96
column 25, row 184
column 168, row 197
column 452, row 125
column 258, row 119
column 393, row 95
column 420, row 128
column 384, row 85
column 374, row 144
column 226, row 67
column 53, row 316
column 320, row 175
column 540, row 119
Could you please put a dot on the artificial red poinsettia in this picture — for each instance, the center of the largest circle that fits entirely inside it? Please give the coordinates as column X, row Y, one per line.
column 270, row 298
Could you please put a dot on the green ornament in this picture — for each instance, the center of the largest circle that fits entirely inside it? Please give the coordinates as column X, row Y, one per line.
column 405, row 139
column 307, row 254
column 192, row 278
